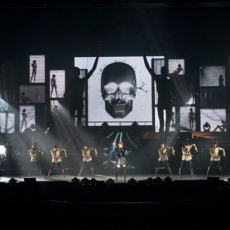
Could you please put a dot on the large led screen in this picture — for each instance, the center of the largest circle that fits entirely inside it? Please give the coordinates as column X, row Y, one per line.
column 187, row 119
column 7, row 122
column 172, row 127
column 57, row 83
column 176, row 64
column 119, row 91
column 37, row 69
column 213, row 120
column 30, row 94
column 212, row 76
column 27, row 117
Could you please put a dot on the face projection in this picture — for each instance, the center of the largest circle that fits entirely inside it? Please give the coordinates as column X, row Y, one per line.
column 118, row 88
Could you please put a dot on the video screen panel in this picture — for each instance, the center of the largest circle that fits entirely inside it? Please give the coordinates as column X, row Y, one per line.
column 174, row 64
column 57, row 83
column 2, row 149
column 37, row 69
column 213, row 120
column 30, row 94
column 173, row 120
column 212, row 76
column 7, row 122
column 187, row 119
column 119, row 91
column 157, row 64
column 27, row 117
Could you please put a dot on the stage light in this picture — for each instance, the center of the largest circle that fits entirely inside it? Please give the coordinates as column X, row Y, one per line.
column 135, row 125
column 206, row 127
column 110, row 181
column 132, row 181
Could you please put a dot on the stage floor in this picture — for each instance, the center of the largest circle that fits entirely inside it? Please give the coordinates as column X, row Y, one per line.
column 137, row 177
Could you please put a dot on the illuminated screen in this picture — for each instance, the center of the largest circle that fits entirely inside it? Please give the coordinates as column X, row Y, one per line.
column 37, row 69
column 30, row 94
column 157, row 64
column 57, row 83
column 187, row 119
column 27, row 117
column 213, row 120
column 121, row 101
column 2, row 149
column 173, row 64
column 3, row 104
column 7, row 122
column 173, row 121
column 212, row 76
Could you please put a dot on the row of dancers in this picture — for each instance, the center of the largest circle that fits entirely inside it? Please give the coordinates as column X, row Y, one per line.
column 57, row 154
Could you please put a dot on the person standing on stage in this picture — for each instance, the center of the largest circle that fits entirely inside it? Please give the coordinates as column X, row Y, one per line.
column 57, row 159
column 163, row 157
column 87, row 158
column 35, row 155
column 187, row 156
column 121, row 160
column 215, row 158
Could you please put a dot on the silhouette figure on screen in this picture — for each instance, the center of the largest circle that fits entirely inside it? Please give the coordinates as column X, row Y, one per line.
column 191, row 118
column 221, row 81
column 74, row 93
column 24, row 119
column 34, row 70
column 118, row 88
column 25, row 99
column 53, row 83
column 206, row 127
column 221, row 127
column 166, row 92
column 221, row 89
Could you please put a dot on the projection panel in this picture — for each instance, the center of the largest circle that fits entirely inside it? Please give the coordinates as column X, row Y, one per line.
column 119, row 91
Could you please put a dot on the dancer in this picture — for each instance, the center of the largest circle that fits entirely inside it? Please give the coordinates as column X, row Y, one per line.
column 121, row 161
column 163, row 157
column 215, row 157
column 34, row 70
column 166, row 92
column 57, row 159
column 187, row 156
column 35, row 155
column 87, row 158
column 53, row 85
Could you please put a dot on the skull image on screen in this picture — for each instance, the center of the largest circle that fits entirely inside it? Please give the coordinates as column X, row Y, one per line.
column 118, row 88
